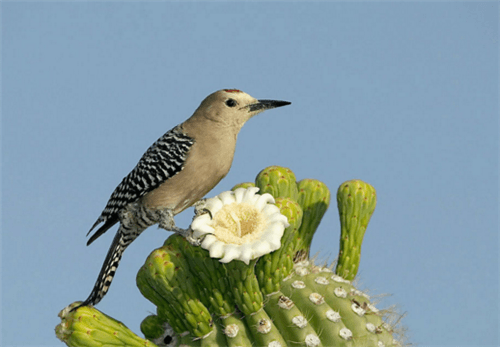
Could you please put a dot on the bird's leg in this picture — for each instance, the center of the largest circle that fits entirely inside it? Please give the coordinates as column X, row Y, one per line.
column 166, row 221
column 129, row 215
column 136, row 218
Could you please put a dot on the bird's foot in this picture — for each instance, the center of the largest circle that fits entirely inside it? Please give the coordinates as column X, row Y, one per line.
column 167, row 222
column 195, row 241
column 199, row 207
column 203, row 211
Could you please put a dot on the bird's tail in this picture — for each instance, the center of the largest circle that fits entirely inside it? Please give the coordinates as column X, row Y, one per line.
column 118, row 246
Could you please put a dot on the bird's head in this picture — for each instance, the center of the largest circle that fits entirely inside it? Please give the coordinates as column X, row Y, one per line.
column 233, row 108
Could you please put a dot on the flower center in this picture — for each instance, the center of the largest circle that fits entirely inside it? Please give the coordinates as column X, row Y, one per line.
column 238, row 223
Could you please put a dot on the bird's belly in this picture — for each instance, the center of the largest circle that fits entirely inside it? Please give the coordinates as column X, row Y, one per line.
column 189, row 185
column 177, row 198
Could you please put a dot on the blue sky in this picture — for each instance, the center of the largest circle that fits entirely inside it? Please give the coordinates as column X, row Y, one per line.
column 402, row 95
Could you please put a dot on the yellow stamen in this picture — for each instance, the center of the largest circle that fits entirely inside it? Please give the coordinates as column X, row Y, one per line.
column 239, row 223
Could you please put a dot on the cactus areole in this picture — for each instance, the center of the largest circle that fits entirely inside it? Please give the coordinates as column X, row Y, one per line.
column 251, row 282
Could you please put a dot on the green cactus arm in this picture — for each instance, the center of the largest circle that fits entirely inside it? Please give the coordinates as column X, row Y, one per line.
column 273, row 267
column 356, row 203
column 87, row 326
column 244, row 286
column 314, row 198
column 166, row 281
column 212, row 282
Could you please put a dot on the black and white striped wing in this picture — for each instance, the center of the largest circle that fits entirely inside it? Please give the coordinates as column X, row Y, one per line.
column 163, row 160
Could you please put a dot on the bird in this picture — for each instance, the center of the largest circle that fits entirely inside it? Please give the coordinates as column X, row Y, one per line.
column 174, row 173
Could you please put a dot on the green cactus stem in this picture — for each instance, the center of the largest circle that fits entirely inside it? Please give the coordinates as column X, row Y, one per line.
column 165, row 280
column 250, row 302
column 211, row 281
column 314, row 198
column 90, row 327
column 272, row 268
column 356, row 203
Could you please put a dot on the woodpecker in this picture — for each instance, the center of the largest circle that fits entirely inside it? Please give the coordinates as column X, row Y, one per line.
column 178, row 170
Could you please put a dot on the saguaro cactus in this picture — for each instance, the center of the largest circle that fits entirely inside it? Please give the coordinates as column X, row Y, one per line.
column 251, row 282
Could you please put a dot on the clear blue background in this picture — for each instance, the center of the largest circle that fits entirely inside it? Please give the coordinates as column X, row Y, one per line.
column 402, row 95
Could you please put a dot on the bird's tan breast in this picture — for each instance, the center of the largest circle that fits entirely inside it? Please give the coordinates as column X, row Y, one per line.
column 208, row 161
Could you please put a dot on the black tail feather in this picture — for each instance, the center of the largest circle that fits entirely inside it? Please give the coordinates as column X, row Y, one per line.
column 108, row 224
column 108, row 270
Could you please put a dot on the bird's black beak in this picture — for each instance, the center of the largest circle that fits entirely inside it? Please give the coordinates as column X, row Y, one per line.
column 262, row 105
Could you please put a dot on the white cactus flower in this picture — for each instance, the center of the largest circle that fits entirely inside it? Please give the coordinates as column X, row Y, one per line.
column 244, row 225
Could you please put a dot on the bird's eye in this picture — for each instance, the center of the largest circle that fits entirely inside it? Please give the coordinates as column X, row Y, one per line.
column 231, row 102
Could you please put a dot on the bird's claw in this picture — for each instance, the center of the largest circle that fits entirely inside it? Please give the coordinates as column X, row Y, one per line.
column 203, row 211
column 193, row 240
column 166, row 221
column 199, row 207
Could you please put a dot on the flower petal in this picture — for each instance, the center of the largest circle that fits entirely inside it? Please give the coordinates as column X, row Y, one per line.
column 270, row 209
column 278, row 218
column 260, row 248
column 250, row 195
column 216, row 249
column 263, row 200
column 247, row 254
column 201, row 224
column 227, row 197
column 231, row 252
column 208, row 241
column 214, row 205
column 239, row 193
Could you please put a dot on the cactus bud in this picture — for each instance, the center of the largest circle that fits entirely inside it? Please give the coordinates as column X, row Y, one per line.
column 278, row 181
